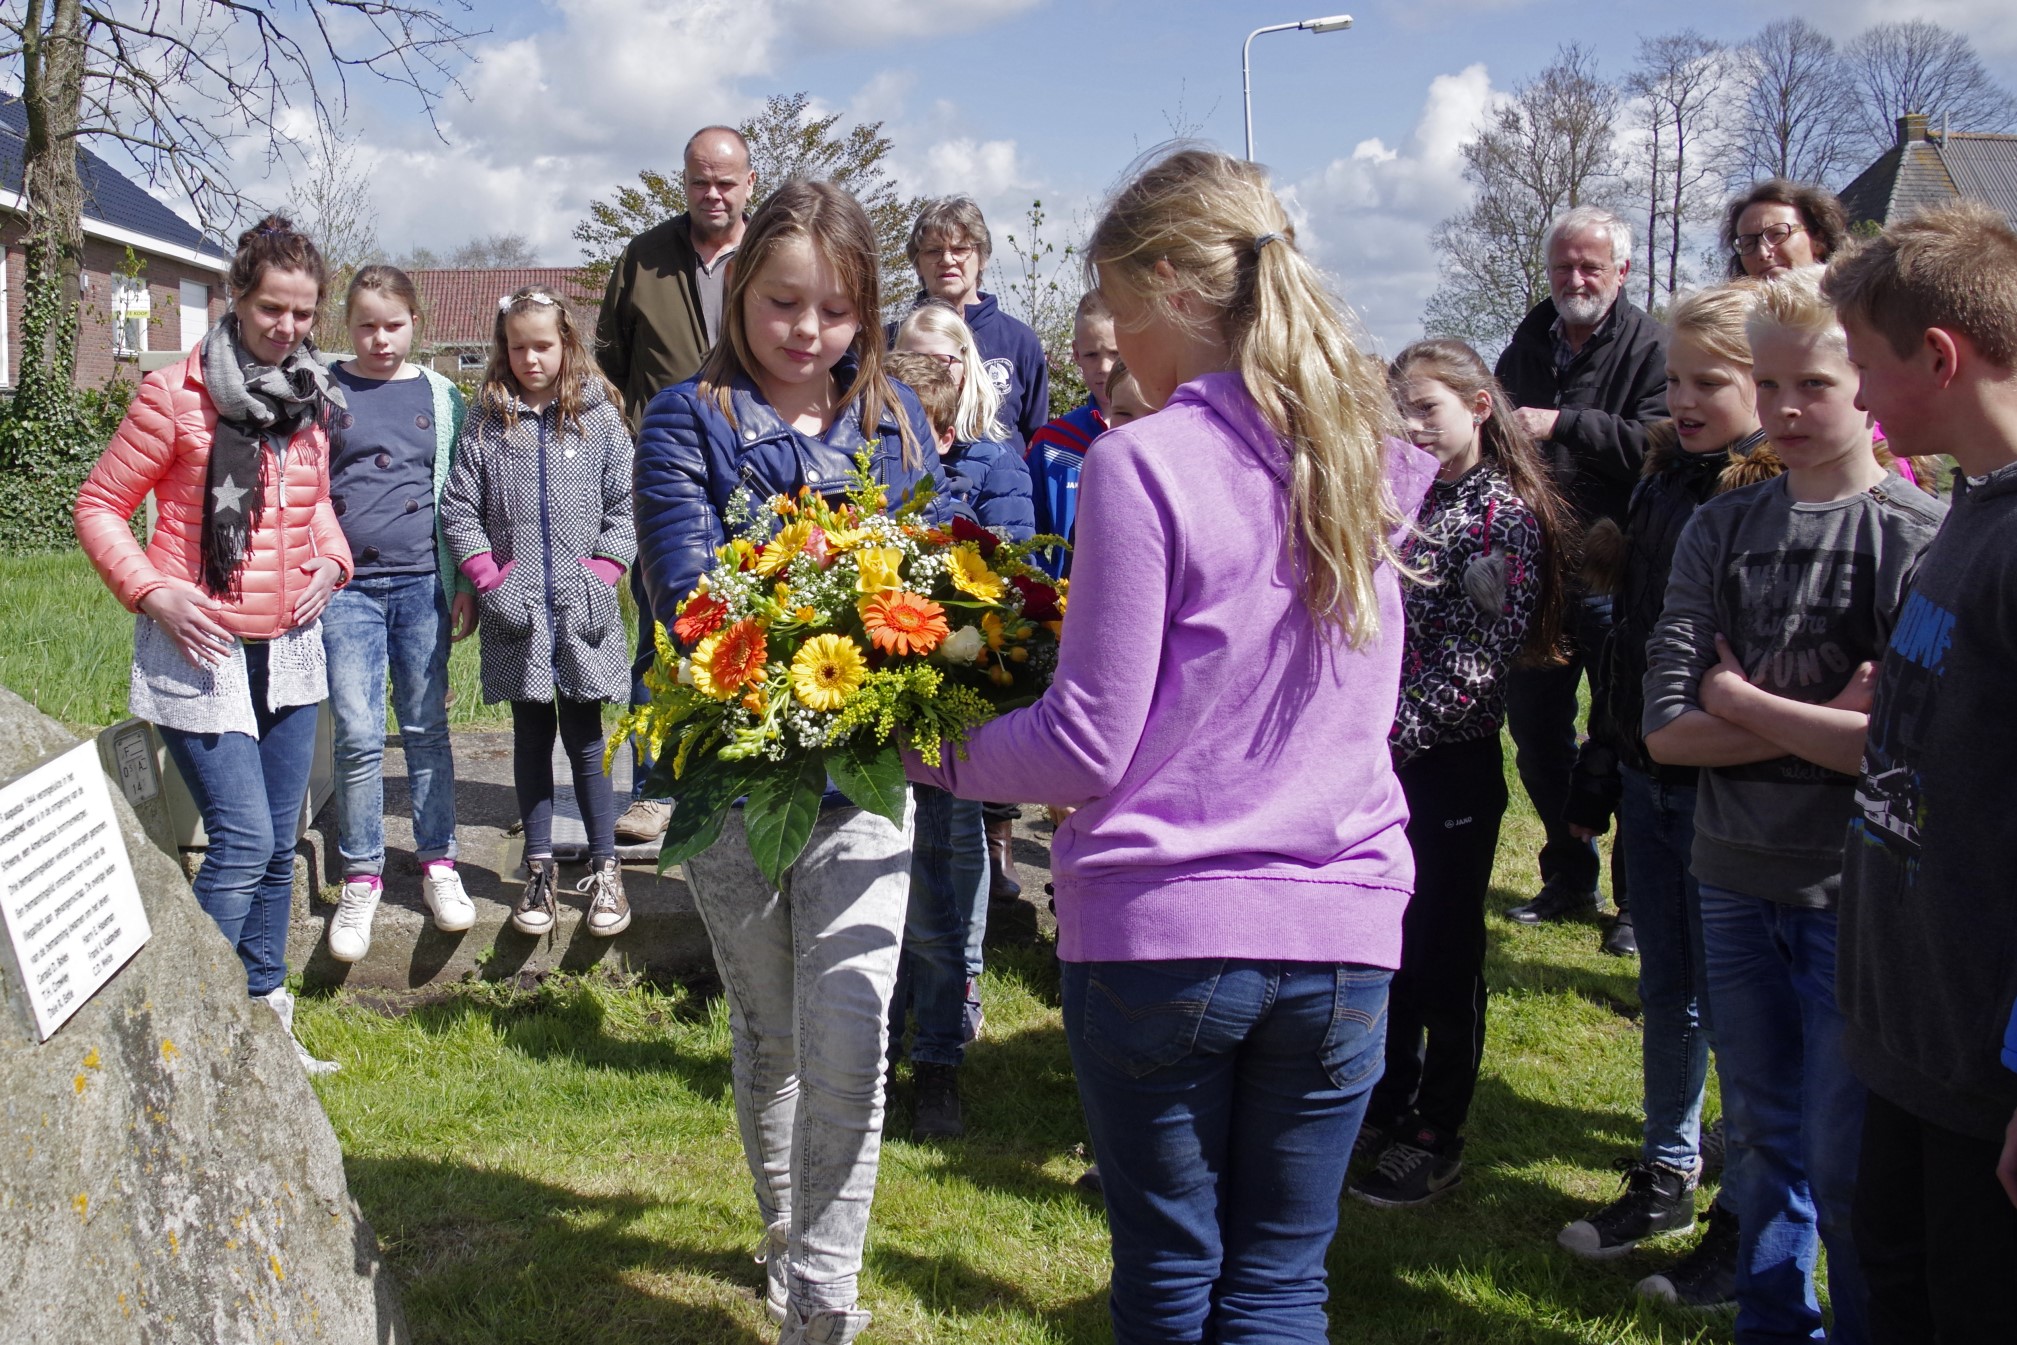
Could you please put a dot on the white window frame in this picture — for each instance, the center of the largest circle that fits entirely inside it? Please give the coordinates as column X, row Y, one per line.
column 471, row 361
column 132, row 311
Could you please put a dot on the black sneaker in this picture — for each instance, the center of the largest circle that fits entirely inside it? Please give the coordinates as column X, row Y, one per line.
column 535, row 912
column 1366, row 1148
column 1656, row 1199
column 1713, row 1148
column 1416, row 1166
column 1707, row 1276
column 1558, row 901
column 1619, row 940
column 937, row 1115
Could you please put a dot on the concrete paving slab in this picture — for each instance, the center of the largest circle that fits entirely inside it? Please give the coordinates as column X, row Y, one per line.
column 665, row 941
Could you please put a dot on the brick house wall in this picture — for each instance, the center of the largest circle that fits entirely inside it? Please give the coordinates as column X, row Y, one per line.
column 98, row 360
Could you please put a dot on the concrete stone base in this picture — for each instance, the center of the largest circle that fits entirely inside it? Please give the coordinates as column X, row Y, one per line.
column 665, row 941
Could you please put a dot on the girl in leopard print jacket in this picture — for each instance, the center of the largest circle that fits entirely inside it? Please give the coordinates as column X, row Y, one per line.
column 1488, row 542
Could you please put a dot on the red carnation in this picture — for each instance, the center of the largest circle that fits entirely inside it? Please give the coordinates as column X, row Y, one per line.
column 966, row 530
column 1040, row 600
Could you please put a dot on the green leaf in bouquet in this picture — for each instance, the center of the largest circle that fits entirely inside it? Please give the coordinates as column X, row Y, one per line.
column 700, row 799
column 870, row 774
column 783, row 805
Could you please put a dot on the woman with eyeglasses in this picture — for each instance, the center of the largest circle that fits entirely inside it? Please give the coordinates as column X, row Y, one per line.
column 1778, row 225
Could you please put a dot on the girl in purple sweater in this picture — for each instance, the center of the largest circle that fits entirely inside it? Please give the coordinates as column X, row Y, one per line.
column 1230, row 888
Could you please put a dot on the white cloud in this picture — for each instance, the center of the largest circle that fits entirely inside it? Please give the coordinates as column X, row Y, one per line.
column 556, row 120
column 1367, row 217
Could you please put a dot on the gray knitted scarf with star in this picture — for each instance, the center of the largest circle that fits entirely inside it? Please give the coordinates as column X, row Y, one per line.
column 253, row 400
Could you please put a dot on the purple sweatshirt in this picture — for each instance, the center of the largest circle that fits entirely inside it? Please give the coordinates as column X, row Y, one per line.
column 1228, row 758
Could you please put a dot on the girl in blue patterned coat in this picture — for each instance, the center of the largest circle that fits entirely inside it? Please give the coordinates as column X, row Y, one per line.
column 1488, row 542
column 538, row 515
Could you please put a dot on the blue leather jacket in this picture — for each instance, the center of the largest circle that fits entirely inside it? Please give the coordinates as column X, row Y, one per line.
column 690, row 461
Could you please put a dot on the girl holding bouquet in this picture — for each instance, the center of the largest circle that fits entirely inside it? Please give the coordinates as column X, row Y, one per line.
column 792, row 391
column 1230, row 890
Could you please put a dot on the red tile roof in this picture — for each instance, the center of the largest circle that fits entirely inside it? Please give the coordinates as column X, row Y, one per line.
column 461, row 306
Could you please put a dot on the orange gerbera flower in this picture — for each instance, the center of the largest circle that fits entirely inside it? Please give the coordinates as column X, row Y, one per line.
column 730, row 659
column 898, row 622
column 700, row 618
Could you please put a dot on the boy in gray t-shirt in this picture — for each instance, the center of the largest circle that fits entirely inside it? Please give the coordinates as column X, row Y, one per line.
column 1782, row 596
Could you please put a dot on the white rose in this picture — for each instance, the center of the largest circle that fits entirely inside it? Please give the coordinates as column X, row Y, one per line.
column 686, row 672
column 962, row 646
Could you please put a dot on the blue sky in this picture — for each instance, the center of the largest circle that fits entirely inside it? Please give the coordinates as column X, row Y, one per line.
column 1011, row 100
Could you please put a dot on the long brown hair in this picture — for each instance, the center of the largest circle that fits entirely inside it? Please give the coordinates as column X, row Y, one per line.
column 578, row 369
column 833, row 223
column 1231, row 247
column 1460, row 369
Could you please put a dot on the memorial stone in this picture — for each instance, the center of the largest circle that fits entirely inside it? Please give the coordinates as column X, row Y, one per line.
column 169, row 1173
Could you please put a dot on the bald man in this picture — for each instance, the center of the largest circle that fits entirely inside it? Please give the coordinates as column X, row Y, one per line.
column 660, row 314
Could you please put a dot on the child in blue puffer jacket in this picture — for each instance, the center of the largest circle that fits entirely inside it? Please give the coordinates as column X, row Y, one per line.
column 792, row 389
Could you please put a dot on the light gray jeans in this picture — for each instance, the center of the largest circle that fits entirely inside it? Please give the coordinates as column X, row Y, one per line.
column 809, row 971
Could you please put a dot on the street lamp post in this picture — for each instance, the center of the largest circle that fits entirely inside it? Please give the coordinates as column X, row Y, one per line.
column 1330, row 25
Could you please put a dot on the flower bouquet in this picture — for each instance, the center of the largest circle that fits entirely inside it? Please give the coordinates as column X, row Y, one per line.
column 826, row 634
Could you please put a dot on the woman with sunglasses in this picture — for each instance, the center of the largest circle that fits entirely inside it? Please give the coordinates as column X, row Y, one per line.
column 1778, row 225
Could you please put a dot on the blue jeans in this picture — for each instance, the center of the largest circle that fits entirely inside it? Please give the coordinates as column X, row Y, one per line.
column 1541, row 716
column 1656, row 822
column 395, row 623
column 1223, row 1097
column 249, row 791
column 1793, row 1114
column 947, row 916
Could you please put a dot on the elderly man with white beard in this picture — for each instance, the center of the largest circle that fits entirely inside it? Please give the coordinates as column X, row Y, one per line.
column 1588, row 371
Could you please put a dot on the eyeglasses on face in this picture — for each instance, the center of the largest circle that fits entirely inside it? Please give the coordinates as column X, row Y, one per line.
column 955, row 252
column 1775, row 234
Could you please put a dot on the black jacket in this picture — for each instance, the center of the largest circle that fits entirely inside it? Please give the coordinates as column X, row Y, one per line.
column 1612, row 390
column 1926, row 967
column 1674, row 485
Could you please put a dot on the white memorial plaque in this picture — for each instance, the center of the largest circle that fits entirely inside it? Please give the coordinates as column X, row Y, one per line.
column 72, row 908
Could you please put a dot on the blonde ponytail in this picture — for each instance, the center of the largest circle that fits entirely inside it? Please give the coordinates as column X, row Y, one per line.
column 1229, row 244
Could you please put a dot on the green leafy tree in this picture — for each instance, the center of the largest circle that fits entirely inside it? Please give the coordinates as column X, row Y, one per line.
column 785, row 141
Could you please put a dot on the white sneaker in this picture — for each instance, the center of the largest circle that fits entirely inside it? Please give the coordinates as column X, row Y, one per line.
column 441, row 888
column 350, row 928
column 281, row 1001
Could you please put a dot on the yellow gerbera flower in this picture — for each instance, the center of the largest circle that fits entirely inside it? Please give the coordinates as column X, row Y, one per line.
column 970, row 574
column 881, row 569
column 846, row 539
column 827, row 670
column 777, row 553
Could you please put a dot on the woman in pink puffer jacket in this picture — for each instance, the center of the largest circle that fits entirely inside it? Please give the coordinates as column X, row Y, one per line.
column 227, row 643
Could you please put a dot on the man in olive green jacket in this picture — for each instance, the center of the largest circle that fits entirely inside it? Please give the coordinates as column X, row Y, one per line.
column 659, row 316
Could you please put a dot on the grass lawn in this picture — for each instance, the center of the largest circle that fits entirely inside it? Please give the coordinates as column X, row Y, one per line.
column 563, row 1164
column 67, row 645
